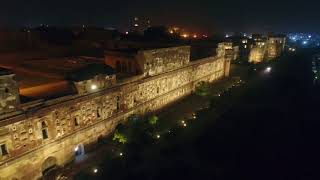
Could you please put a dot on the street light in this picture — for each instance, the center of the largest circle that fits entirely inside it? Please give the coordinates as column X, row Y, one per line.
column 76, row 149
column 267, row 70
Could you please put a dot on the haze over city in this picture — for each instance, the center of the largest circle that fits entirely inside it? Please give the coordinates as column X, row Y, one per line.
column 205, row 15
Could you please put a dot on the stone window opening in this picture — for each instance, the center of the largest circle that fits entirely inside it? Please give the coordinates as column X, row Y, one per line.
column 44, row 130
column 118, row 102
column 76, row 122
column 4, row 150
column 98, row 113
column 6, row 90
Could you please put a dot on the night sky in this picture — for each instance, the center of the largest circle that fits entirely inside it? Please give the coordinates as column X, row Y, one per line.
column 201, row 15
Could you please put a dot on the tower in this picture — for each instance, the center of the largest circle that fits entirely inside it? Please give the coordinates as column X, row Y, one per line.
column 225, row 51
column 9, row 91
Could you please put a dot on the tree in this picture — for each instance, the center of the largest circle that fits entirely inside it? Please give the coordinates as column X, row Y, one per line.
column 153, row 120
column 202, row 88
column 119, row 137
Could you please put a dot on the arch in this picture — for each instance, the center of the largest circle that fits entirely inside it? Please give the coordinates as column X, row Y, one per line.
column 49, row 164
column 43, row 124
column 79, row 150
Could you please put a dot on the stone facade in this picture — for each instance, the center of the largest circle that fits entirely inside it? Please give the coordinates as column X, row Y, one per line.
column 44, row 134
column 147, row 62
column 257, row 53
column 153, row 62
column 275, row 46
column 9, row 92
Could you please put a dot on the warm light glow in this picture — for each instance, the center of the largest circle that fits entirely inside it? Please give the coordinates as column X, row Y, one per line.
column 195, row 36
column 76, row 149
column 95, row 170
column 171, row 31
column 136, row 25
column 121, row 154
column 158, row 136
column 185, row 35
column 93, row 87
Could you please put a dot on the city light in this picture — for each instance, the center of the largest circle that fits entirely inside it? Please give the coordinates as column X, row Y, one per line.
column 185, row 35
column 94, row 87
column 127, row 33
column 95, row 170
column 76, row 148
column 267, row 70
column 304, row 42
column 194, row 116
column 195, row 36
column 158, row 136
column 121, row 154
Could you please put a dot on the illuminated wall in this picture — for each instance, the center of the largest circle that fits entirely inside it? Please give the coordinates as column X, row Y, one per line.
column 46, row 133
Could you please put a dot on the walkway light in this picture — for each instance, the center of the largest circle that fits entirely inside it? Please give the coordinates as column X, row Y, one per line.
column 267, row 70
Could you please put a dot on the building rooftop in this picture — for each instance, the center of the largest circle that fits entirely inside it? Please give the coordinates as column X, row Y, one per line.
column 48, row 77
column 4, row 71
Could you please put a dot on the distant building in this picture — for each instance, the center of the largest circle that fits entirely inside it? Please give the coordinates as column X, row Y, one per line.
column 266, row 48
column 275, row 46
column 139, row 25
column 257, row 52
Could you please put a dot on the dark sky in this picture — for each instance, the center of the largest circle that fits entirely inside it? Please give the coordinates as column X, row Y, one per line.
column 204, row 15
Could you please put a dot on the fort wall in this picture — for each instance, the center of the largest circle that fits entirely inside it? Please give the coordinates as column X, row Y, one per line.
column 46, row 134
